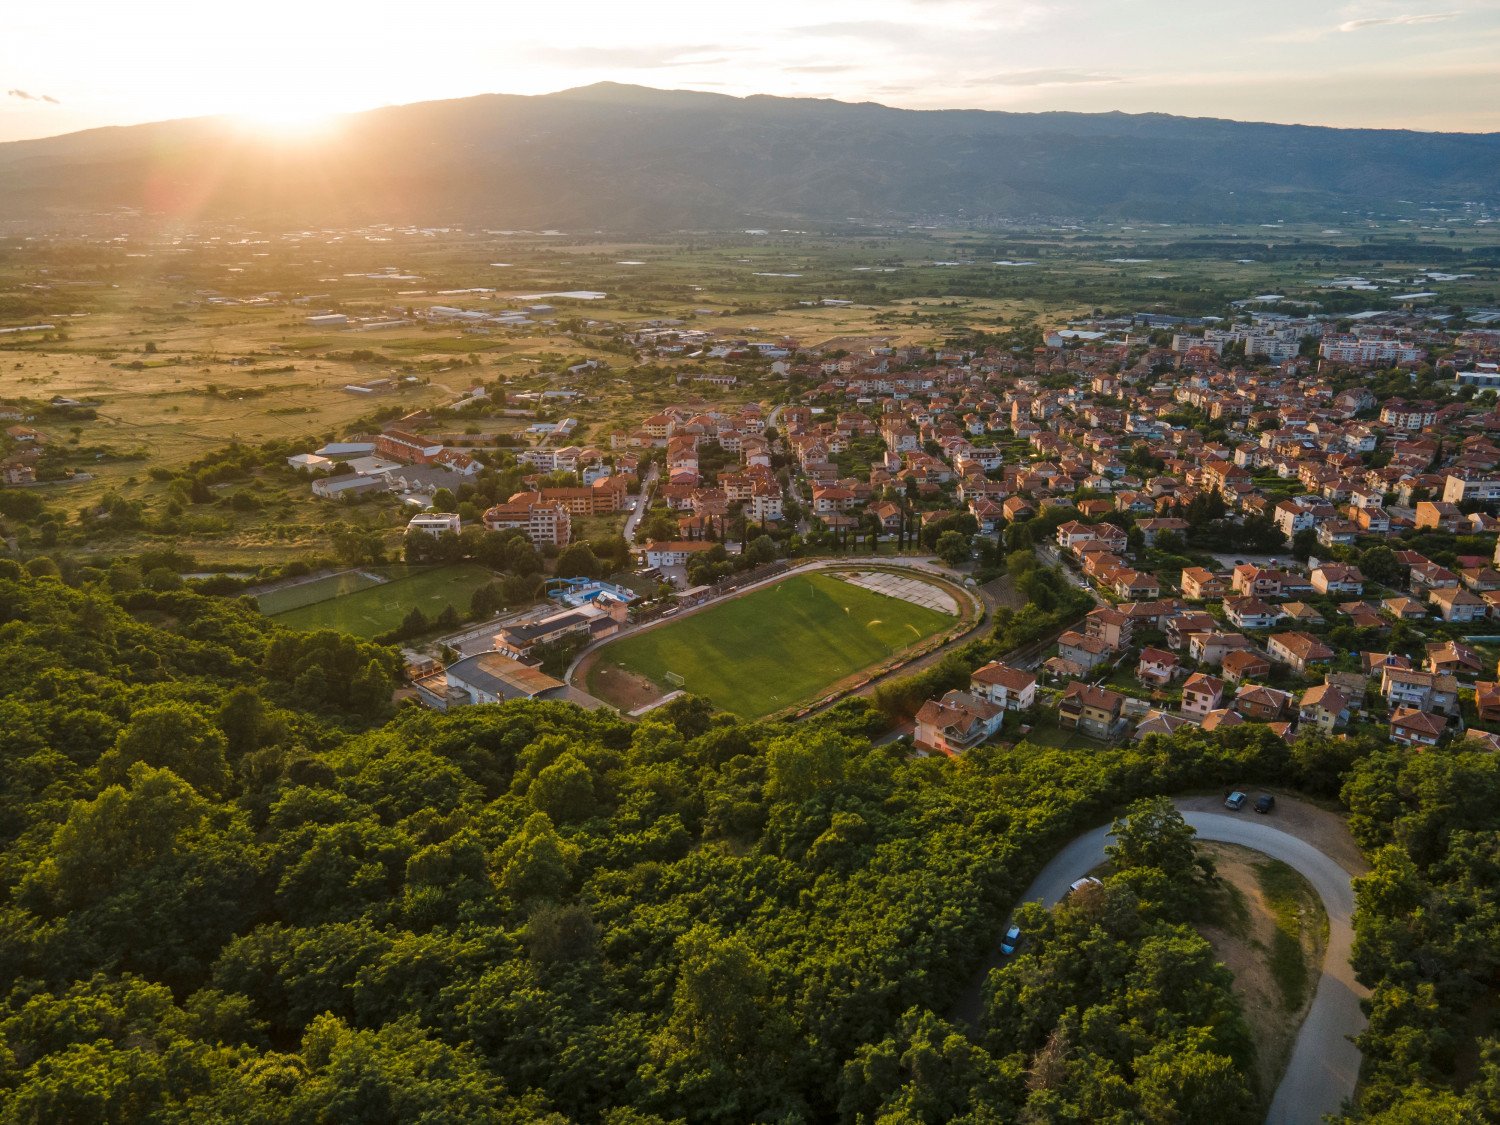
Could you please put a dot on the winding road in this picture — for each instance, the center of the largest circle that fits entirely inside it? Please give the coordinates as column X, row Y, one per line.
column 1324, row 1066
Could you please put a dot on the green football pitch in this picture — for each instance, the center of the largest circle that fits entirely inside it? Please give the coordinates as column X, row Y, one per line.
column 355, row 603
column 783, row 645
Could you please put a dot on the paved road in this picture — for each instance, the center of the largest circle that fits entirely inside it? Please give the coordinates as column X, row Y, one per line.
column 1325, row 1062
column 642, row 502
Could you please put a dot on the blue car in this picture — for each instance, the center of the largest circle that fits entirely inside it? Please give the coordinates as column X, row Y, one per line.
column 1008, row 943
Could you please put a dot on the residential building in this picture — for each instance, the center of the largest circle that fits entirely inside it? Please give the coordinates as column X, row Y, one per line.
column 543, row 524
column 1417, row 728
column 1300, row 650
column 1201, row 694
column 1094, row 711
column 1009, row 688
column 1086, row 652
column 1324, row 707
column 1436, row 692
column 957, row 722
column 435, row 523
column 1458, row 606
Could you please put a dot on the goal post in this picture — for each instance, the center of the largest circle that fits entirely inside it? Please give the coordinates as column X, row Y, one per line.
column 675, row 680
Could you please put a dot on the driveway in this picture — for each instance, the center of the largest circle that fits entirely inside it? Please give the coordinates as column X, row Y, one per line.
column 1325, row 1062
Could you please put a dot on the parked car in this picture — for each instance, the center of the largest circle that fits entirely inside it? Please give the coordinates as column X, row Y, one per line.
column 1086, row 881
column 1235, row 801
column 1010, row 941
column 1265, row 803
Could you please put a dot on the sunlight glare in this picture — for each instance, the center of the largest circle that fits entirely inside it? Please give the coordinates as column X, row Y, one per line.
column 288, row 119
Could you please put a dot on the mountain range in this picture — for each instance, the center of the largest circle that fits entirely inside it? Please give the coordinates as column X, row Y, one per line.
column 632, row 158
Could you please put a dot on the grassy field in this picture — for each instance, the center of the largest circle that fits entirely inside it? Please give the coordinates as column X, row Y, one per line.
column 1267, row 926
column 289, row 598
column 775, row 647
column 368, row 610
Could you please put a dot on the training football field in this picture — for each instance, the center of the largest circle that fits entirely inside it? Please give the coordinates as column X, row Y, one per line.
column 776, row 647
column 355, row 604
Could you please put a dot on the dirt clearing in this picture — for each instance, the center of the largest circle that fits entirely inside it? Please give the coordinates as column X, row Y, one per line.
column 1269, row 929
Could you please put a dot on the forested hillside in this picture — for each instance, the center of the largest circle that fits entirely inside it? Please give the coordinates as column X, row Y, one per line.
column 628, row 157
column 237, row 888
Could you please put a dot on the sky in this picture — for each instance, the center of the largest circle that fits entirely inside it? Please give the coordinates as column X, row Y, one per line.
column 76, row 64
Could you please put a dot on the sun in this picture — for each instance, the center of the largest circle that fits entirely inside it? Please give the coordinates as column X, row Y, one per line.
column 288, row 119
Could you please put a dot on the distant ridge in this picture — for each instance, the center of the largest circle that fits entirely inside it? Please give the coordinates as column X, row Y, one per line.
column 631, row 157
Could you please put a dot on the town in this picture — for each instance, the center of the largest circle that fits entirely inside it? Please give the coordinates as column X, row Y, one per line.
column 1283, row 519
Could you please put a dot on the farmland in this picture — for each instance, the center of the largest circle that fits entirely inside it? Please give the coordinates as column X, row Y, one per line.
column 354, row 603
column 775, row 647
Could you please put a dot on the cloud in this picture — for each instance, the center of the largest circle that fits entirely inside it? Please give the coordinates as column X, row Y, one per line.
column 640, row 58
column 862, row 29
column 1058, row 76
column 28, row 97
column 823, row 68
column 1398, row 21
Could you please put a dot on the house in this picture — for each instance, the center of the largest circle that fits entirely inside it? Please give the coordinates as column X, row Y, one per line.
column 1201, row 694
column 1222, row 719
column 1133, row 584
column 1212, row 647
column 1439, row 515
column 1298, row 649
column 1487, row 701
column 1324, row 707
column 1261, row 704
column 1300, row 613
column 1251, row 613
column 1157, row 666
column 1362, row 615
column 1436, row 692
column 1333, row 578
column 1152, row 528
column 1375, row 663
column 1244, row 664
column 1424, row 576
column 1477, row 739
column 1201, row 584
column 673, row 553
column 1179, row 629
column 435, row 523
column 1454, row 658
column 1417, row 728
column 1094, row 711
column 957, row 722
column 1111, row 626
column 1086, row 652
column 1458, row 606
column 1157, row 722
column 1404, row 609
column 1009, row 688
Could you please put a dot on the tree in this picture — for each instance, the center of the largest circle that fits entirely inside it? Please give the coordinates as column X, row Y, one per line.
column 564, row 791
column 577, row 561
column 1379, row 564
column 1153, row 837
column 761, row 550
column 953, row 547
column 174, row 736
column 535, row 863
column 124, row 829
column 720, row 1000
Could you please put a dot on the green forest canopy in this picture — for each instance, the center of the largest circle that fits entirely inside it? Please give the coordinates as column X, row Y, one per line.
column 238, row 887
